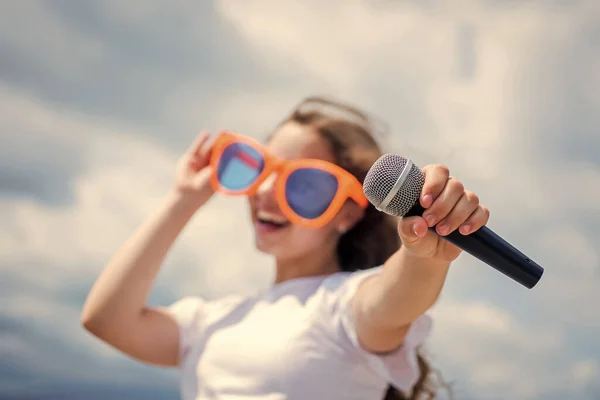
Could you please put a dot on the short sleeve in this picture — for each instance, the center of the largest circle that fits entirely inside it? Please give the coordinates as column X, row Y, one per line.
column 400, row 367
column 188, row 312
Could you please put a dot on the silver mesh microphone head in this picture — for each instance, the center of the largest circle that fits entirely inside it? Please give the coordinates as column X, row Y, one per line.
column 393, row 184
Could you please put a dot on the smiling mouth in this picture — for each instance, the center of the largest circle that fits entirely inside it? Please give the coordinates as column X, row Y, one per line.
column 269, row 222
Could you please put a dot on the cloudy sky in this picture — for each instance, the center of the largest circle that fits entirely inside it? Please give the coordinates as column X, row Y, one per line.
column 98, row 99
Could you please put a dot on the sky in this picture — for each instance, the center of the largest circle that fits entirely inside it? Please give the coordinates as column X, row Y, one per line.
column 99, row 99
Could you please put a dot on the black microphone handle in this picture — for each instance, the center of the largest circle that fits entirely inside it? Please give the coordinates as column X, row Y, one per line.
column 490, row 248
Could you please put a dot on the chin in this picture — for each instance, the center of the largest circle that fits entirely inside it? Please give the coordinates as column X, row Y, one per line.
column 278, row 250
column 265, row 247
column 262, row 247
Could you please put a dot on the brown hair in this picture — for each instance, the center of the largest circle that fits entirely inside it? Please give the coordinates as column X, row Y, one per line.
column 350, row 134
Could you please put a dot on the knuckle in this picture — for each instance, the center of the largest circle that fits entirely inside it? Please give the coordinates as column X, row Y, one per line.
column 481, row 216
column 472, row 197
column 453, row 219
column 443, row 169
column 457, row 185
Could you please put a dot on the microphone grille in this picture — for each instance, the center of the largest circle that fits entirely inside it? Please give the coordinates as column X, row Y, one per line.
column 382, row 177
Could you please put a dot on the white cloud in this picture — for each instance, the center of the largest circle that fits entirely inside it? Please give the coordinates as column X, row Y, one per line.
column 350, row 45
column 483, row 126
column 127, row 180
column 401, row 62
column 56, row 249
column 491, row 348
column 31, row 27
column 586, row 371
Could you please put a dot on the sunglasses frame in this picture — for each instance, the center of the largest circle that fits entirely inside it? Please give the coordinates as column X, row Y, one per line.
column 348, row 186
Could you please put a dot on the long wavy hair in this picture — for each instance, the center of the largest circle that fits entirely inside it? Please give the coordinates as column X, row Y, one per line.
column 351, row 136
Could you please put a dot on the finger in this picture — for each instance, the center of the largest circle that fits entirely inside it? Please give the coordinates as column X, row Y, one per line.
column 205, row 150
column 478, row 218
column 411, row 229
column 445, row 202
column 436, row 177
column 198, row 142
column 467, row 204
column 415, row 236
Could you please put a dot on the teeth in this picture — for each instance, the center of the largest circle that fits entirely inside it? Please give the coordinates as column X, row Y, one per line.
column 268, row 217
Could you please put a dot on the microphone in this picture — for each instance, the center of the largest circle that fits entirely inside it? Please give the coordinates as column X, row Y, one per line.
column 394, row 184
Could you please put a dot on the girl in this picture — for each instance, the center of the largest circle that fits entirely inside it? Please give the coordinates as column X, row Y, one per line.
column 345, row 316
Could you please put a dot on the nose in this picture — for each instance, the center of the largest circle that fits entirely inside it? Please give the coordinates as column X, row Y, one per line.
column 267, row 186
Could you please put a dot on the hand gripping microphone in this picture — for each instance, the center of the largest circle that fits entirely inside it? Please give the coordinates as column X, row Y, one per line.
column 394, row 184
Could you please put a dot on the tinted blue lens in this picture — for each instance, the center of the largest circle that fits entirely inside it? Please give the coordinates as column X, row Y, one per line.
column 309, row 191
column 239, row 166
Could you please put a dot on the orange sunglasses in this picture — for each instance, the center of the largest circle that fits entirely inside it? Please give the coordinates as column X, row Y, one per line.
column 309, row 192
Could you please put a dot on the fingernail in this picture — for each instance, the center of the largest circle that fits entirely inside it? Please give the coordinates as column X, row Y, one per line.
column 442, row 229
column 427, row 199
column 430, row 218
column 414, row 229
column 465, row 229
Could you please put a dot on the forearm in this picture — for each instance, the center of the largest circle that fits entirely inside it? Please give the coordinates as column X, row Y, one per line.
column 121, row 291
column 406, row 288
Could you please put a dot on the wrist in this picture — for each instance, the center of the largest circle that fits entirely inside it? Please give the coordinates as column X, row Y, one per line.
column 411, row 258
column 184, row 203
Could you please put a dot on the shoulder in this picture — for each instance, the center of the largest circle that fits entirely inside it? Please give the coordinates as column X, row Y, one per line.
column 399, row 367
column 194, row 309
column 344, row 284
column 335, row 292
column 193, row 314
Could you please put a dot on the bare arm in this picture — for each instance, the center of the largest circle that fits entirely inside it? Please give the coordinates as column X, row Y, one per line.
column 411, row 280
column 385, row 305
column 115, row 310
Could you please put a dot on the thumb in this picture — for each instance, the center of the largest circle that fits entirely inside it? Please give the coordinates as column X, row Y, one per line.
column 411, row 230
column 201, row 178
column 415, row 236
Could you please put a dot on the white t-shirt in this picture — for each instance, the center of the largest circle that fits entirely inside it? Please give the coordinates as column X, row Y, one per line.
column 294, row 341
